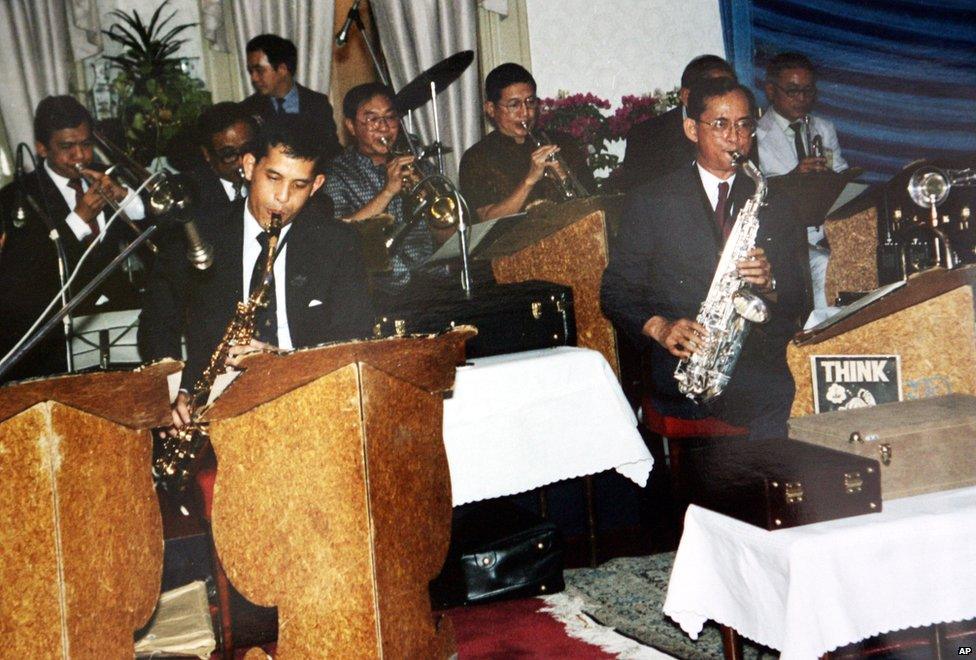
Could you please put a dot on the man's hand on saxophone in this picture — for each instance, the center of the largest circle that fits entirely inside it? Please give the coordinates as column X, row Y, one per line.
column 756, row 270
column 681, row 338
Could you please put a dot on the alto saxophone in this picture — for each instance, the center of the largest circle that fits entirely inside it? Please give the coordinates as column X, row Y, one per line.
column 730, row 308
column 177, row 460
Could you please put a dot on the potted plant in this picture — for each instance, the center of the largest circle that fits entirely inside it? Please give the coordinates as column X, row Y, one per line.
column 158, row 102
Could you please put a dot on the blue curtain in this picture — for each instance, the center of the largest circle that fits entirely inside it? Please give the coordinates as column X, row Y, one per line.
column 897, row 77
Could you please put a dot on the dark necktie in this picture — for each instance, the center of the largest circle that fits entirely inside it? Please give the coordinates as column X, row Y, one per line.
column 281, row 105
column 75, row 184
column 265, row 318
column 238, row 192
column 722, row 210
column 801, row 151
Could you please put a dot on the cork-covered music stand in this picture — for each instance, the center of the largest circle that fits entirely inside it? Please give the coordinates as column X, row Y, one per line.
column 81, row 541
column 332, row 499
column 929, row 322
column 565, row 244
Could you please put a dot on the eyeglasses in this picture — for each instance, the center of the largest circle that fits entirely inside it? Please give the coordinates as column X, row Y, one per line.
column 229, row 155
column 373, row 122
column 722, row 125
column 512, row 106
column 797, row 92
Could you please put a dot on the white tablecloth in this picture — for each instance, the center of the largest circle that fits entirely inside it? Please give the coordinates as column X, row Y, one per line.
column 524, row 420
column 808, row 590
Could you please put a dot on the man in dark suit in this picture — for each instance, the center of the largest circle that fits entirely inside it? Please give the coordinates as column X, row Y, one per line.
column 665, row 255
column 271, row 64
column 225, row 132
column 67, row 194
column 658, row 145
column 318, row 291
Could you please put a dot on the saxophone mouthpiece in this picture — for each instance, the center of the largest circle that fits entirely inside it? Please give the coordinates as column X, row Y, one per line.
column 737, row 157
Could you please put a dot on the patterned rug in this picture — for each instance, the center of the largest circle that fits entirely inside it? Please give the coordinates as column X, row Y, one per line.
column 627, row 594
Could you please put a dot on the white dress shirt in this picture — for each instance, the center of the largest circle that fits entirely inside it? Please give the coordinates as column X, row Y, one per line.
column 251, row 253
column 132, row 204
column 711, row 183
column 229, row 189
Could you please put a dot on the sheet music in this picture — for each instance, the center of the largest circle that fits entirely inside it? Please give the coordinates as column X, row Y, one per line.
column 451, row 248
column 855, row 306
column 850, row 191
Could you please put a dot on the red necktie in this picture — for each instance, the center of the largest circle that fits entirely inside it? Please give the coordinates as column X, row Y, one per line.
column 75, row 184
column 721, row 209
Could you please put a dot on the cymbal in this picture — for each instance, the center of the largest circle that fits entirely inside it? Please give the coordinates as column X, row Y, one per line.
column 417, row 92
column 434, row 149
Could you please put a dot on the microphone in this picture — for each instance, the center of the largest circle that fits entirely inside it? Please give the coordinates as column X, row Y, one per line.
column 20, row 209
column 343, row 35
column 198, row 252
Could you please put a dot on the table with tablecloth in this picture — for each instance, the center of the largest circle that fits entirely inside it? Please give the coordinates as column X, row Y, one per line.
column 809, row 590
column 519, row 421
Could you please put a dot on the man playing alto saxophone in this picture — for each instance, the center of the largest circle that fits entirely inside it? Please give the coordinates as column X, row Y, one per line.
column 318, row 290
column 661, row 265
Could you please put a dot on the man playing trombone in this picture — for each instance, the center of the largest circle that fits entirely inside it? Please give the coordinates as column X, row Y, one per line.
column 369, row 177
column 67, row 193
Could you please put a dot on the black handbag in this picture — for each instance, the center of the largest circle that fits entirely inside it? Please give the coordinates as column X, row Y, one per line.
column 498, row 551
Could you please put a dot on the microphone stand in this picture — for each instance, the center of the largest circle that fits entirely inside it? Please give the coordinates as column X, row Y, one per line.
column 74, row 302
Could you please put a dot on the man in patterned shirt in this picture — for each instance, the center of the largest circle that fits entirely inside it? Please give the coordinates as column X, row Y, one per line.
column 365, row 181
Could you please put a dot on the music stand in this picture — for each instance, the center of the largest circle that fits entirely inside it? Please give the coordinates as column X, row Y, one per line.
column 816, row 192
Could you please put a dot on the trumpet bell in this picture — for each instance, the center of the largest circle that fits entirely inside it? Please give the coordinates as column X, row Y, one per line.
column 929, row 187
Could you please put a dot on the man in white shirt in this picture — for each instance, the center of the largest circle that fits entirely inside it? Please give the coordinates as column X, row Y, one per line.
column 65, row 196
column 786, row 134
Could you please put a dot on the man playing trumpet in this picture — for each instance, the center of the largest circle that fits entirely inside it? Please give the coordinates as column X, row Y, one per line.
column 503, row 173
column 69, row 193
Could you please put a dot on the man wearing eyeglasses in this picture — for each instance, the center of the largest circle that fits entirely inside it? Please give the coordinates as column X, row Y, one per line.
column 785, row 135
column 506, row 172
column 367, row 180
column 225, row 132
column 672, row 232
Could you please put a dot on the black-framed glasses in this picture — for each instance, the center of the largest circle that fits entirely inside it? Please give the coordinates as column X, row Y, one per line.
column 722, row 125
column 373, row 122
column 230, row 155
column 513, row 105
column 796, row 92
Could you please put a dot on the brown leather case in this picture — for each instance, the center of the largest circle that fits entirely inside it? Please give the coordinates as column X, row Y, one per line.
column 780, row 483
column 923, row 445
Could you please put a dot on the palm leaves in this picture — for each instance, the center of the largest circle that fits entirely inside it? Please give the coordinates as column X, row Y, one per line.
column 148, row 51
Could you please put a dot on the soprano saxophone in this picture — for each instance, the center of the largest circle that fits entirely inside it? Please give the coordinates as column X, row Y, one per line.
column 177, row 460
column 730, row 308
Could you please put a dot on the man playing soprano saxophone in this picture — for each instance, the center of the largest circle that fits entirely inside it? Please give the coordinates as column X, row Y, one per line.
column 665, row 254
column 318, row 292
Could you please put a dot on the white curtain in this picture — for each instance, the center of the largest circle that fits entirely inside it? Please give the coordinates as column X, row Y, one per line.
column 307, row 23
column 417, row 34
column 38, row 61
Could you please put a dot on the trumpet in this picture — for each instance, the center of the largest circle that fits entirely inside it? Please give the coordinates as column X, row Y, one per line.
column 929, row 186
column 564, row 181
column 431, row 197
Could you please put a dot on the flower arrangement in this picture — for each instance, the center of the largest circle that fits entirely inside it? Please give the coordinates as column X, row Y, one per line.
column 581, row 117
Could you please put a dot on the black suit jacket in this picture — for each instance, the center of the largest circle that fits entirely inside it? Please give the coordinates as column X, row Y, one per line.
column 655, row 147
column 164, row 301
column 665, row 255
column 323, row 265
column 315, row 112
column 29, row 272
